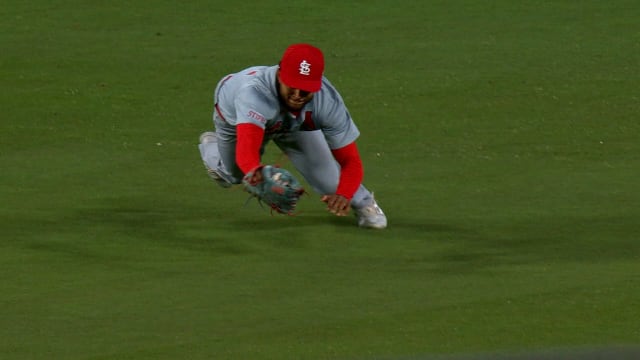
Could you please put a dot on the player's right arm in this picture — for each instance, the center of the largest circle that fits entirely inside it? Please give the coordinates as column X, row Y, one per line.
column 250, row 128
column 249, row 141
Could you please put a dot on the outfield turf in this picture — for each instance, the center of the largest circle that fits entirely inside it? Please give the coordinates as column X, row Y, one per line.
column 500, row 137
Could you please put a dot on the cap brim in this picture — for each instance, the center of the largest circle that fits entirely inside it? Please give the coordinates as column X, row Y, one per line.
column 308, row 85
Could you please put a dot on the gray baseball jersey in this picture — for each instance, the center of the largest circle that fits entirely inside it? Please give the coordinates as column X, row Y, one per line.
column 251, row 96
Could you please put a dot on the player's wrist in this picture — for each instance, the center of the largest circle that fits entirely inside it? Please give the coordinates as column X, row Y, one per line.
column 344, row 195
column 254, row 176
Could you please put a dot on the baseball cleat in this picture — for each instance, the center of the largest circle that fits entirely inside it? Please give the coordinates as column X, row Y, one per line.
column 206, row 138
column 371, row 216
column 215, row 176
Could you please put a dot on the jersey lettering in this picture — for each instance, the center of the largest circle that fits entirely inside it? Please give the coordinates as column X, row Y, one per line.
column 256, row 116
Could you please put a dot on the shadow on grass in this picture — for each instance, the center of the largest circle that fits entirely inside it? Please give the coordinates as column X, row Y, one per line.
column 139, row 223
column 448, row 247
column 602, row 353
column 486, row 244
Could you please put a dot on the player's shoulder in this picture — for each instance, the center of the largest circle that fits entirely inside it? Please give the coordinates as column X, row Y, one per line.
column 259, row 80
column 251, row 71
column 328, row 96
column 257, row 93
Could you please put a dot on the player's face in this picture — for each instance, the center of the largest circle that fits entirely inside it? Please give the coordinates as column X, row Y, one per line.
column 293, row 98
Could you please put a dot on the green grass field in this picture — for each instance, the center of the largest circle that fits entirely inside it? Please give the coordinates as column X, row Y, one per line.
column 500, row 137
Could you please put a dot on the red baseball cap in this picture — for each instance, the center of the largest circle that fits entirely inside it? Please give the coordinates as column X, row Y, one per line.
column 301, row 67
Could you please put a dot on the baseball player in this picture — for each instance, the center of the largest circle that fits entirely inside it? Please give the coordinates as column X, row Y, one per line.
column 296, row 107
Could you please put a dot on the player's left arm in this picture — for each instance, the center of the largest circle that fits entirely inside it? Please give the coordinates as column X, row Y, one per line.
column 341, row 132
column 351, row 175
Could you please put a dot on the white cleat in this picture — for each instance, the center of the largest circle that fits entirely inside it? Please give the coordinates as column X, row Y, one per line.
column 371, row 216
column 211, row 137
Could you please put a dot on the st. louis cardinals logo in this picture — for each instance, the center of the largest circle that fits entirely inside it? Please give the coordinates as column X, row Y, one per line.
column 305, row 68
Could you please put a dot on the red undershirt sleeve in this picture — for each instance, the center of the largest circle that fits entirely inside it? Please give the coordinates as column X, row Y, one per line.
column 250, row 138
column 351, row 173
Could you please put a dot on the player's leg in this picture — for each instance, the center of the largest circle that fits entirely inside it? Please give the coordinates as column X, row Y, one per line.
column 218, row 152
column 320, row 170
column 311, row 156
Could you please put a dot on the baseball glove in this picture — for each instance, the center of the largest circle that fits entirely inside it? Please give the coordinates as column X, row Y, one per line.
column 274, row 186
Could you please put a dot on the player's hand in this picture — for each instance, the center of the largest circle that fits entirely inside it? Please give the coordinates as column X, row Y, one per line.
column 256, row 175
column 337, row 204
